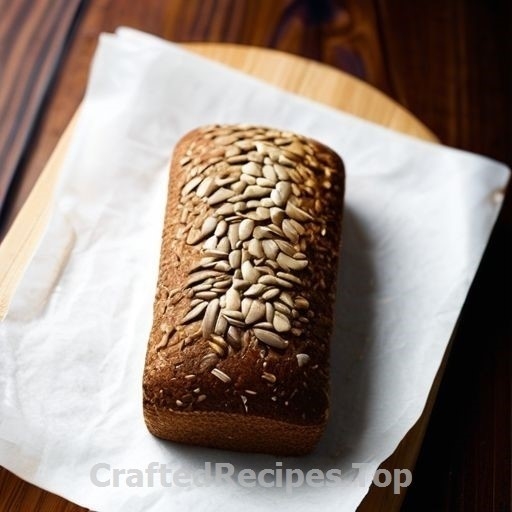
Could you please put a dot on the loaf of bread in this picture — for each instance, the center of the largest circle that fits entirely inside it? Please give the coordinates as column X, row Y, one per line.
column 238, row 351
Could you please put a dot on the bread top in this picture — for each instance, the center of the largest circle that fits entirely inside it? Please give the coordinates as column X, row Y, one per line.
column 245, row 295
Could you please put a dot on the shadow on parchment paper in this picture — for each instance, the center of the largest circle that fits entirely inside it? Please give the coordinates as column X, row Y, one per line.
column 351, row 342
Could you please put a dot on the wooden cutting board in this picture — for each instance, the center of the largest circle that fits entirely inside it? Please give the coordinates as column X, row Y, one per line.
column 295, row 74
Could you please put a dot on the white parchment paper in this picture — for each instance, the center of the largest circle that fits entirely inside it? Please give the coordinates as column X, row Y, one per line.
column 417, row 219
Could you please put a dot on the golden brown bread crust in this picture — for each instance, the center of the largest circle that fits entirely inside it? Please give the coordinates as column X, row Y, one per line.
column 238, row 351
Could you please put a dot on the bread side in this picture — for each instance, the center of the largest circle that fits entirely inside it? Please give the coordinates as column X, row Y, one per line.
column 238, row 351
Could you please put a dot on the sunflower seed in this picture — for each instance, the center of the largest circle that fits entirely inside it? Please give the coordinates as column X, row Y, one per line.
column 297, row 213
column 269, row 173
column 252, row 169
column 232, row 314
column 225, row 140
column 195, row 302
column 240, row 206
column 289, row 231
column 210, row 243
column 270, row 249
column 263, row 182
column 234, row 337
column 228, row 180
column 282, row 308
column 240, row 284
column 237, row 159
column 207, row 187
column 200, row 276
column 220, row 325
column 194, row 313
column 232, row 299
column 277, row 215
column 221, row 228
column 286, row 247
column 208, row 361
column 256, row 312
column 282, row 159
column 217, row 349
column 267, row 202
column 296, row 191
column 260, row 232
column 262, row 213
column 245, row 306
column 185, row 160
column 282, row 172
column 270, row 338
column 223, row 283
column 289, row 277
column 264, row 325
column 220, row 196
column 235, row 258
column 223, row 266
column 255, row 290
column 232, row 151
column 238, row 187
column 249, row 273
column 301, row 303
column 224, row 245
column 281, row 322
column 277, row 281
column 285, row 189
column 269, row 312
column 191, row 185
column 255, row 191
column 268, row 280
column 269, row 377
column 245, row 229
column 219, row 340
column 254, row 156
column 254, row 248
column 247, row 179
column 210, row 318
column 213, row 256
column 225, row 210
column 287, row 263
column 207, row 295
column 277, row 198
column 221, row 375
column 194, row 236
column 286, row 298
column 271, row 294
column 233, row 235
column 296, row 332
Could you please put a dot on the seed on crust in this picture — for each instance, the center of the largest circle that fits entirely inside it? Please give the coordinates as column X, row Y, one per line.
column 191, row 185
column 220, row 196
column 194, row 313
column 270, row 338
column 210, row 318
column 256, row 312
column 281, row 322
column 224, row 377
column 269, row 377
column 302, row 359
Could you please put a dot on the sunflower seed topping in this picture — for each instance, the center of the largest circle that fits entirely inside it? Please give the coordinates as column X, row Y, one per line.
column 221, row 375
column 250, row 196
column 302, row 359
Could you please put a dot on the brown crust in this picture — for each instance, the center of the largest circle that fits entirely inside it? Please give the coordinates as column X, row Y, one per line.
column 183, row 400
column 232, row 431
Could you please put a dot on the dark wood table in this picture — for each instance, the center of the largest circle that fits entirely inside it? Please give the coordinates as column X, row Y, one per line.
column 449, row 62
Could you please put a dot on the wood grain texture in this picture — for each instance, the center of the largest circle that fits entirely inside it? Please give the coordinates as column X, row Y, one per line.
column 30, row 51
column 447, row 61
